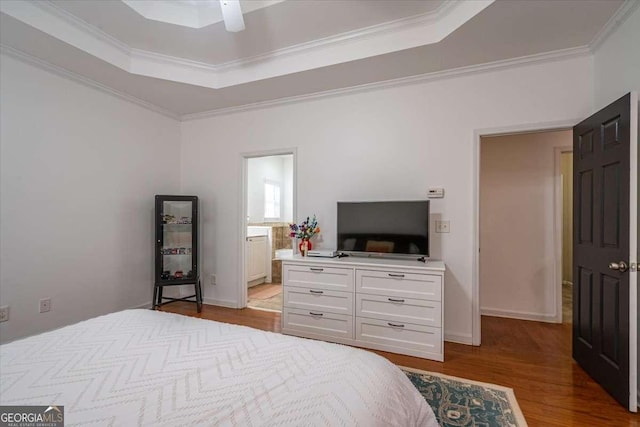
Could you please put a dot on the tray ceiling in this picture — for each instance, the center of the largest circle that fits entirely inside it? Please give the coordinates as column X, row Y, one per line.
column 290, row 48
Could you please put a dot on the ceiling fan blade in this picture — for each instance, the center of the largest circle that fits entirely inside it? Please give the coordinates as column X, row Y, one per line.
column 232, row 15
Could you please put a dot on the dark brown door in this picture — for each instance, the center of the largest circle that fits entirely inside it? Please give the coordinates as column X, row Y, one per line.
column 601, row 147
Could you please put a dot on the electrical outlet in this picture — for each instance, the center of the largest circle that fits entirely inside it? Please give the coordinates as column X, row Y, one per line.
column 442, row 227
column 4, row 313
column 212, row 280
column 45, row 305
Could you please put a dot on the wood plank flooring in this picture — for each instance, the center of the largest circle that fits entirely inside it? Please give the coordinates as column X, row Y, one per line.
column 533, row 358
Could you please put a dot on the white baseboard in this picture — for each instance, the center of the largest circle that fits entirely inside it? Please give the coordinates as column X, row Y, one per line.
column 210, row 301
column 220, row 302
column 458, row 338
column 256, row 282
column 520, row 315
column 144, row 305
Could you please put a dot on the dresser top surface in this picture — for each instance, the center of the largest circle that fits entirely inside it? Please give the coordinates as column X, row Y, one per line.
column 352, row 261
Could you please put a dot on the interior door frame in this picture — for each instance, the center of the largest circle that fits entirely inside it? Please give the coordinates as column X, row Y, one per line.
column 558, row 228
column 634, row 251
column 475, row 256
column 634, row 231
column 242, row 232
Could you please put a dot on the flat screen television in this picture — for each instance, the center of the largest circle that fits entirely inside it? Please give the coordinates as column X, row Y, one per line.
column 393, row 229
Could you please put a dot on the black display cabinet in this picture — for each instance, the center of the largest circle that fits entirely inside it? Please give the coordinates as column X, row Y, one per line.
column 176, row 248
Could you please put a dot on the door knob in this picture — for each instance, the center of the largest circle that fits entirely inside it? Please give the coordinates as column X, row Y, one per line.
column 620, row 266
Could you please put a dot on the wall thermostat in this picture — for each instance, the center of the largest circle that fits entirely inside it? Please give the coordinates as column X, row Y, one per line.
column 436, row 193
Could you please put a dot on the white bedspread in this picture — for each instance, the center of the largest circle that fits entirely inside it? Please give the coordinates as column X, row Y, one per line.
column 142, row 367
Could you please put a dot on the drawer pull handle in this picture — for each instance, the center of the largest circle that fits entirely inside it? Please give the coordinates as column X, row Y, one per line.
column 395, row 325
column 315, row 314
column 316, row 269
column 395, row 300
column 315, row 292
column 396, row 275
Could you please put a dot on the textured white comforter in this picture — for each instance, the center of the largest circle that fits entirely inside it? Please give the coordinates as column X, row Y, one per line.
column 142, row 367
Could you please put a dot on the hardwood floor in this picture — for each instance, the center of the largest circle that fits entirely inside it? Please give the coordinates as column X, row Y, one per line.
column 532, row 358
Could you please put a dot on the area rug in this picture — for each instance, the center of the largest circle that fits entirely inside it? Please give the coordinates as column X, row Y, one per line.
column 460, row 402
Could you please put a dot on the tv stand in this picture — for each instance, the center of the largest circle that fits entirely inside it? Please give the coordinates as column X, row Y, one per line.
column 394, row 305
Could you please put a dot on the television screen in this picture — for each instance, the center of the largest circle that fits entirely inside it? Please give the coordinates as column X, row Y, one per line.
column 384, row 228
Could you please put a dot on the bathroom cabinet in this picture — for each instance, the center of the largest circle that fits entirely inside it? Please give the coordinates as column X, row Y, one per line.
column 256, row 258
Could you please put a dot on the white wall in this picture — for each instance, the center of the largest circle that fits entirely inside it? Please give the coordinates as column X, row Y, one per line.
column 617, row 62
column 616, row 72
column 272, row 168
column 390, row 143
column 287, row 172
column 79, row 169
column 517, row 232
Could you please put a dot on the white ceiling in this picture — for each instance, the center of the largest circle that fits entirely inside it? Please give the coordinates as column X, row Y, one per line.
column 291, row 48
column 194, row 13
column 278, row 26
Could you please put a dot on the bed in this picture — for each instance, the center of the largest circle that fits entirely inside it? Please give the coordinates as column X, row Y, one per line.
column 143, row 367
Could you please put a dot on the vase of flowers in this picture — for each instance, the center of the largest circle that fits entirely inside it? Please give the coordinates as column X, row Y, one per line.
column 304, row 246
column 305, row 231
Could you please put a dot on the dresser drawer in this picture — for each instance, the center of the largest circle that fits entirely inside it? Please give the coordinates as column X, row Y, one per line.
column 318, row 277
column 399, row 283
column 318, row 300
column 399, row 309
column 404, row 335
column 318, row 322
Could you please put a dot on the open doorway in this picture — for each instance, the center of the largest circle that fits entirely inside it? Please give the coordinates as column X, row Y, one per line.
column 522, row 230
column 269, row 203
column 566, row 208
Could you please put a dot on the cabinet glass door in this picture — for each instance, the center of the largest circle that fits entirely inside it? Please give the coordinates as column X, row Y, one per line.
column 176, row 240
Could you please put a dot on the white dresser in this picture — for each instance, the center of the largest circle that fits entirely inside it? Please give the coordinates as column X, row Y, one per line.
column 384, row 304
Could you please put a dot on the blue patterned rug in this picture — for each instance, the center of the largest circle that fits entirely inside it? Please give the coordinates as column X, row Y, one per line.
column 459, row 402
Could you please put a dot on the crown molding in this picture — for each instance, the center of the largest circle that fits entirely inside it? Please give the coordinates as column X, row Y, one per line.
column 618, row 18
column 82, row 25
column 553, row 56
column 360, row 37
column 70, row 75
column 360, row 34
column 427, row 77
column 365, row 42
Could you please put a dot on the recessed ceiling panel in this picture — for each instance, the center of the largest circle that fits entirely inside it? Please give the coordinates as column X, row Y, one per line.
column 278, row 26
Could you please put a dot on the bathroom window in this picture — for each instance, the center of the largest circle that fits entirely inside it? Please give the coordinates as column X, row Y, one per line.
column 272, row 200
